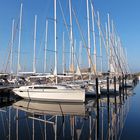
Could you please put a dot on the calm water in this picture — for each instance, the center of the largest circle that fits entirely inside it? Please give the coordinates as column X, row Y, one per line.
column 131, row 130
column 115, row 117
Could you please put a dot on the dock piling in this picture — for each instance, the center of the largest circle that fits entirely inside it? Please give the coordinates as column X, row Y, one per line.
column 107, row 85
column 115, row 93
column 97, row 90
column 120, row 88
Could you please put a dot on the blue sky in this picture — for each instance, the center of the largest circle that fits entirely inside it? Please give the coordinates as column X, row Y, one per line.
column 125, row 14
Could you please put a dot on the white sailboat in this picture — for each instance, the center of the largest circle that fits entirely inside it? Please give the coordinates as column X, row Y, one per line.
column 52, row 92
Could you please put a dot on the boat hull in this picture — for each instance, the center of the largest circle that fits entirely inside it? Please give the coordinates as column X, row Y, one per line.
column 50, row 95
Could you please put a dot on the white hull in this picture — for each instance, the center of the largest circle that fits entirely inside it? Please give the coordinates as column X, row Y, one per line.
column 59, row 95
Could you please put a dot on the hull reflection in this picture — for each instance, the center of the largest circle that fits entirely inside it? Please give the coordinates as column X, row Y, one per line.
column 98, row 119
column 50, row 108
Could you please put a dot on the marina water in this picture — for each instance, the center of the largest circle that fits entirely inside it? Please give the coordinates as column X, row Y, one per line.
column 113, row 117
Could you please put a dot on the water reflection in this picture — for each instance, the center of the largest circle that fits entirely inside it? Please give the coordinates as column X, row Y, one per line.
column 50, row 108
column 101, row 118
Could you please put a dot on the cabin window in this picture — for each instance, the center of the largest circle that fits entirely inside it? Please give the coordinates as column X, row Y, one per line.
column 45, row 87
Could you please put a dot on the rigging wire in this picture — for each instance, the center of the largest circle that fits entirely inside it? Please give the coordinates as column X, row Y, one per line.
column 83, row 39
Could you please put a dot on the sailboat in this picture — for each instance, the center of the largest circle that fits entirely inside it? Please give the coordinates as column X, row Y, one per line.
column 51, row 92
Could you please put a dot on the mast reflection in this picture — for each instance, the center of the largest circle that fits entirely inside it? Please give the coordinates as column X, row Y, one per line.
column 99, row 118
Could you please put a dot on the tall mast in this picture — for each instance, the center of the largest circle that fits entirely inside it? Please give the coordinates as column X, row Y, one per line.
column 34, row 57
column 46, row 42
column 63, row 53
column 19, row 39
column 114, row 61
column 94, row 37
column 55, row 59
column 120, row 56
column 74, row 56
column 99, row 26
column 126, row 61
column 12, row 42
column 109, row 43
column 88, row 26
column 71, row 41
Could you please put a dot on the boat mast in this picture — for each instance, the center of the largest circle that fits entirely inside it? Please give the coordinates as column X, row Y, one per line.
column 88, row 26
column 120, row 57
column 34, row 57
column 45, row 52
column 12, row 42
column 94, row 37
column 117, row 49
column 63, row 53
column 126, row 61
column 55, row 59
column 109, row 43
column 100, row 40
column 71, row 41
column 74, row 56
column 114, row 47
column 19, row 39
